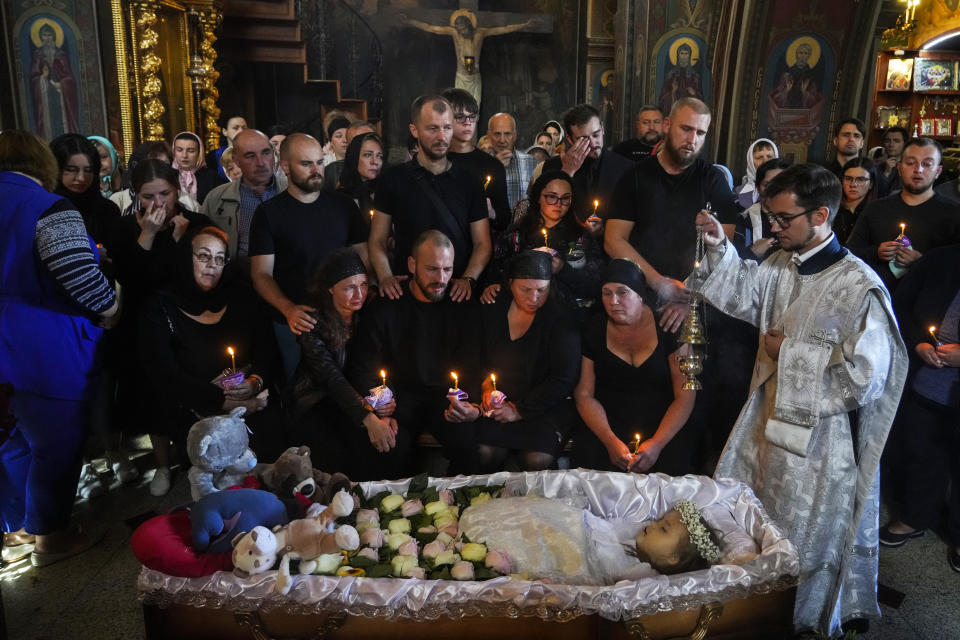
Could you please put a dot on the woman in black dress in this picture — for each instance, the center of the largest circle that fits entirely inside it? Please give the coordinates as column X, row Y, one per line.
column 342, row 430
column 630, row 383
column 579, row 260
column 185, row 329
column 531, row 344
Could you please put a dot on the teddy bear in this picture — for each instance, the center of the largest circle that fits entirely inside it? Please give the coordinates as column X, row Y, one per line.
column 294, row 480
column 218, row 448
column 305, row 539
column 215, row 519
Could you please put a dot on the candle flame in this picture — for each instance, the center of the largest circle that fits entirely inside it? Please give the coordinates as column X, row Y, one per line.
column 231, row 351
column 456, row 380
column 383, row 374
column 932, row 329
column 596, row 203
column 489, row 178
column 493, row 377
column 371, row 213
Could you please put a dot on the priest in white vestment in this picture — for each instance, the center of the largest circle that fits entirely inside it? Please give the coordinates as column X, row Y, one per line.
column 827, row 380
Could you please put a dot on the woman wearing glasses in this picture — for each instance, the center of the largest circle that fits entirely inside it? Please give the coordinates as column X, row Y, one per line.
column 859, row 180
column 546, row 219
column 143, row 244
column 185, row 329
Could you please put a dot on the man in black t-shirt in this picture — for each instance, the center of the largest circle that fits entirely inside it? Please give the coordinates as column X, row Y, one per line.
column 654, row 206
column 481, row 165
column 292, row 234
column 430, row 192
column 419, row 338
column 930, row 220
column 649, row 132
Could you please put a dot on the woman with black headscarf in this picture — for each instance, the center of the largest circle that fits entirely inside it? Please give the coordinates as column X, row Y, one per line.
column 630, row 396
column 79, row 182
column 531, row 345
column 185, row 330
column 343, row 431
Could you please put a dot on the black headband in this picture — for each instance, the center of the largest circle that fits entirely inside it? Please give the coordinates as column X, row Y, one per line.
column 343, row 263
column 626, row 272
column 532, row 265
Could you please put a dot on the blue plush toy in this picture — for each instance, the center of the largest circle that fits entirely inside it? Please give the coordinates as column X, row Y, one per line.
column 215, row 519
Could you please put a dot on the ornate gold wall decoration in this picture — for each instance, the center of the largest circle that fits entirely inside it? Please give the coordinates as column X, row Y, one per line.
column 144, row 17
column 210, row 112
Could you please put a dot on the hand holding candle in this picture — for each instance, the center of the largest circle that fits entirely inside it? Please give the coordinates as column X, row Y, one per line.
column 636, row 443
column 496, row 397
column 933, row 334
column 233, row 360
column 382, row 395
column 455, row 392
column 902, row 238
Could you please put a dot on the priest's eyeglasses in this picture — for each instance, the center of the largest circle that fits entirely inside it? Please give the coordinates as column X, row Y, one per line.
column 466, row 117
column 552, row 198
column 206, row 258
column 783, row 220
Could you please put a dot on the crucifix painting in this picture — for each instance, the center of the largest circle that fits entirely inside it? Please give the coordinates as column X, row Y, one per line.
column 463, row 26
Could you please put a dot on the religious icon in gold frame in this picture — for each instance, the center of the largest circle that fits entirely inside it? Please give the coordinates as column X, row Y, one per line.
column 931, row 74
column 926, row 126
column 944, row 127
column 899, row 74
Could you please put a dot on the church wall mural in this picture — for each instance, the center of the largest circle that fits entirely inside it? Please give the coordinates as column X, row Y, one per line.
column 519, row 56
column 57, row 74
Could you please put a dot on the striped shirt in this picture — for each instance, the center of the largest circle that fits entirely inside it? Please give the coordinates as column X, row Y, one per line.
column 64, row 249
column 519, row 171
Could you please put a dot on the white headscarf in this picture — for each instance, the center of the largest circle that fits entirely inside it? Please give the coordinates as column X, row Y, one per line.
column 750, row 180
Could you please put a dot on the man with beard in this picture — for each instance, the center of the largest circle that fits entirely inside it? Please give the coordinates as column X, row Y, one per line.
column 830, row 349
column 419, row 338
column 292, row 234
column 652, row 222
column 464, row 153
column 231, row 205
column 651, row 219
column 931, row 220
column 649, row 132
column 848, row 139
column 430, row 192
column 595, row 169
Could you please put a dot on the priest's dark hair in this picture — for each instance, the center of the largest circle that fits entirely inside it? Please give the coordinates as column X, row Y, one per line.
column 579, row 115
column 461, row 100
column 437, row 102
column 24, row 152
column 812, row 187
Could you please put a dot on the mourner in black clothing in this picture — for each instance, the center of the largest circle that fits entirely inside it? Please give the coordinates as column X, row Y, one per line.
column 419, row 339
column 532, row 346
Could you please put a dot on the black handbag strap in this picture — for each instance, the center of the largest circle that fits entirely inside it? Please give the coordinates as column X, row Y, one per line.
column 439, row 205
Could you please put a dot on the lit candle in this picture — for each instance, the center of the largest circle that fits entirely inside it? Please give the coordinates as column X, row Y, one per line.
column 596, row 205
column 933, row 333
column 903, row 227
column 233, row 359
column 383, row 377
column 456, row 380
column 493, row 379
column 546, row 237
column 487, row 182
column 371, row 214
column 636, row 442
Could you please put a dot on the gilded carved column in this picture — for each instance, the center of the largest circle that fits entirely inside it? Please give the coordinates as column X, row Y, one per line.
column 145, row 18
column 209, row 23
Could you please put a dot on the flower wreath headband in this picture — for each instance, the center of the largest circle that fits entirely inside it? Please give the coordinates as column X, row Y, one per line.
column 699, row 534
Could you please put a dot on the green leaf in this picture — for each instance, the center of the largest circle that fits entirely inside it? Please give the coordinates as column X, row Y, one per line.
column 418, row 483
column 420, row 520
column 361, row 562
column 443, row 573
column 481, row 572
column 430, row 494
column 379, row 571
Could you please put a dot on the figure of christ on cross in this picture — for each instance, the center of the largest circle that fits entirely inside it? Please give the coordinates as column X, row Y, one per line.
column 468, row 40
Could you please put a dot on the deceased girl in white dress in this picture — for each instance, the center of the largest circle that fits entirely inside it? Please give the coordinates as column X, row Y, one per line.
column 556, row 541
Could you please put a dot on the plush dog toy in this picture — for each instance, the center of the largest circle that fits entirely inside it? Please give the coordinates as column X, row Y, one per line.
column 219, row 451
column 306, row 539
column 217, row 518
